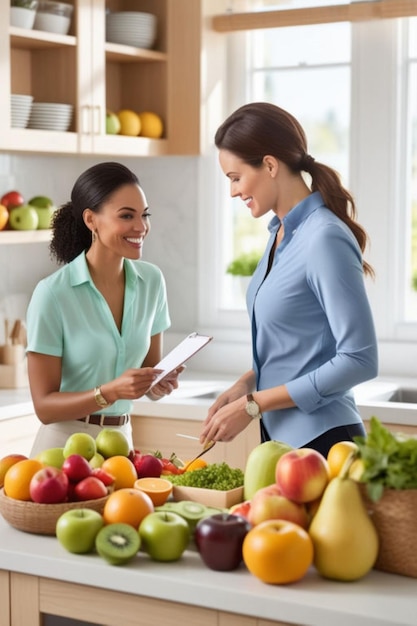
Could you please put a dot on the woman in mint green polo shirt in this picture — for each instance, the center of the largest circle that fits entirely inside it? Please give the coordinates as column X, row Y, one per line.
column 95, row 326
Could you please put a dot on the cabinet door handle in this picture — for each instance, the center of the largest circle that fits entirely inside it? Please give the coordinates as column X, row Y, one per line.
column 97, row 120
column 85, row 119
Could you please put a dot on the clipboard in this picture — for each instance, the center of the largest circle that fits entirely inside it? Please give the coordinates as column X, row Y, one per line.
column 180, row 354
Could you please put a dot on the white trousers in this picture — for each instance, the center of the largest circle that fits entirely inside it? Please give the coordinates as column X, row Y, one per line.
column 55, row 435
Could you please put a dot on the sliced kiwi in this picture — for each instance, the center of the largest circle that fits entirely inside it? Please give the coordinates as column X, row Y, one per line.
column 117, row 543
column 191, row 511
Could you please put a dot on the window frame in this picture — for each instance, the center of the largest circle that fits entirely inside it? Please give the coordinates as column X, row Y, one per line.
column 376, row 180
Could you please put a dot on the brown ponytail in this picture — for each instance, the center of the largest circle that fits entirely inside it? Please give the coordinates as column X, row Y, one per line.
column 260, row 128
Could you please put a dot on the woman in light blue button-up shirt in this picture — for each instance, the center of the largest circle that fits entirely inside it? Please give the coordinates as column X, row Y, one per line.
column 313, row 335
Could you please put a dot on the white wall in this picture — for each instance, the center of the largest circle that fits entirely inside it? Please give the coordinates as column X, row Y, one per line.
column 171, row 187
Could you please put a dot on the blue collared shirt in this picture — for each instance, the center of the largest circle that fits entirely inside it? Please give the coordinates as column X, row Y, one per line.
column 312, row 326
column 69, row 318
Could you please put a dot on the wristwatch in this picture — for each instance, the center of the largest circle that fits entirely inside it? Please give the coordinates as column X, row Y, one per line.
column 252, row 408
column 100, row 399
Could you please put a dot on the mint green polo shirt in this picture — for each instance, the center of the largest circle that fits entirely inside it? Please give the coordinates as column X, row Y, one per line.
column 68, row 317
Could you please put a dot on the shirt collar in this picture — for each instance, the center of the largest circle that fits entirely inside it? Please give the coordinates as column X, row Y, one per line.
column 80, row 273
column 298, row 213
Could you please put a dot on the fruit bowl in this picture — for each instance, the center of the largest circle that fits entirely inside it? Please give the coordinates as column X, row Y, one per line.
column 41, row 519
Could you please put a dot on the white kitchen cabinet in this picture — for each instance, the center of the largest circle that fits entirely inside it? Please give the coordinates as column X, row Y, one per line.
column 159, row 433
column 83, row 70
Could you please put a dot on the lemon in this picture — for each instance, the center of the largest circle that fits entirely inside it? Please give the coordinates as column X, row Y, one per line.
column 338, row 455
column 129, row 122
column 151, row 125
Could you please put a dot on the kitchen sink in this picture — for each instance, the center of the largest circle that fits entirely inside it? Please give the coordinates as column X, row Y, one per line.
column 404, row 394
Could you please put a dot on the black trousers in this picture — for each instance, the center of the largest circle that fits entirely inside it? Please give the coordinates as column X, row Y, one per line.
column 324, row 442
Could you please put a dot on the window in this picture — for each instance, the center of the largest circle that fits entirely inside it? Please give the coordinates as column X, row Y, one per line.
column 410, row 260
column 360, row 120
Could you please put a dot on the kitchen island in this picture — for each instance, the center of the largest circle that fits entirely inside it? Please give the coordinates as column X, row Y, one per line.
column 38, row 576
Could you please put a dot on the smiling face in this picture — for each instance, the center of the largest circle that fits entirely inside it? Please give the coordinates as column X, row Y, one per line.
column 122, row 223
column 256, row 186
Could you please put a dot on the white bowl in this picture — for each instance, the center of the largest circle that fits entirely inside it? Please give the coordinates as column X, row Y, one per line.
column 131, row 28
column 59, row 24
column 21, row 17
column 17, row 97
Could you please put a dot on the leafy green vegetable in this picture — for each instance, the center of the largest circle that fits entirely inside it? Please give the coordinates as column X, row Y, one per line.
column 214, row 476
column 390, row 460
column 244, row 265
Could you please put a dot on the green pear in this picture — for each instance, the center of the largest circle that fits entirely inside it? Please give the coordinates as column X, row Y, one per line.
column 344, row 537
column 261, row 464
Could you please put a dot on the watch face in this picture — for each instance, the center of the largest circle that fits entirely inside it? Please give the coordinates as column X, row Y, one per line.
column 252, row 408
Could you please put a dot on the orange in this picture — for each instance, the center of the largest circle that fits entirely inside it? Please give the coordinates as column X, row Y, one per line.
column 18, row 477
column 127, row 506
column 122, row 469
column 278, row 552
column 158, row 489
column 338, row 455
column 151, row 125
column 6, row 462
column 196, row 464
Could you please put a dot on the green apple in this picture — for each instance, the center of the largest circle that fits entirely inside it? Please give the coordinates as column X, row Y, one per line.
column 112, row 123
column 23, row 217
column 54, row 457
column 112, row 442
column 96, row 460
column 164, row 535
column 45, row 209
column 77, row 529
column 80, row 443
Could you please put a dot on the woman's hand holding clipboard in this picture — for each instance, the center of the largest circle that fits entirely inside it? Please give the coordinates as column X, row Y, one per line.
column 180, row 354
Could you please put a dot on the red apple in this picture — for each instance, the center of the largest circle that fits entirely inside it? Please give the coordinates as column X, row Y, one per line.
column 269, row 503
column 242, row 509
column 302, row 474
column 49, row 486
column 106, row 478
column 219, row 540
column 76, row 467
column 12, row 199
column 147, row 465
column 90, row 488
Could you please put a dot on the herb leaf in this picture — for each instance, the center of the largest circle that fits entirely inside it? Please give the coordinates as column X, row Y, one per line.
column 390, row 460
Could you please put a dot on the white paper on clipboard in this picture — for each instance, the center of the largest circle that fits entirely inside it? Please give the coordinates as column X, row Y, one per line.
column 180, row 354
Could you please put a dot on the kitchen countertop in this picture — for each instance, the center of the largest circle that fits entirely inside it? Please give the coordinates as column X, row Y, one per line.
column 378, row 599
column 198, row 391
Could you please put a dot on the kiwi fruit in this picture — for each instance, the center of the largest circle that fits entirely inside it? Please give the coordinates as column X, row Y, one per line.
column 117, row 543
column 191, row 511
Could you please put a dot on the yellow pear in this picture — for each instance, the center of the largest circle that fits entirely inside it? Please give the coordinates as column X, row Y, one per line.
column 344, row 537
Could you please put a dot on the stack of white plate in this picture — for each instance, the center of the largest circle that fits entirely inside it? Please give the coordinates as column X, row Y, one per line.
column 20, row 108
column 50, row 116
column 131, row 28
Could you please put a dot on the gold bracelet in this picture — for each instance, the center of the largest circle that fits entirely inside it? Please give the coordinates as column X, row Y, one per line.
column 100, row 399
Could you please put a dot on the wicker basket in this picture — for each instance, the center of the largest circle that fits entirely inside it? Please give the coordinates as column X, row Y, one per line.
column 41, row 519
column 395, row 518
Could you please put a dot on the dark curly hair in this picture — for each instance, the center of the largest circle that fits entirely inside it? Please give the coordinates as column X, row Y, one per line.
column 70, row 235
column 261, row 128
